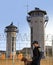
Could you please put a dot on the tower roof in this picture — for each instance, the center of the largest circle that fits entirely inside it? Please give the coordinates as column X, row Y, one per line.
column 37, row 10
column 11, row 28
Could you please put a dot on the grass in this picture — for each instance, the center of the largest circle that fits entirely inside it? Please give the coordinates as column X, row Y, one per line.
column 46, row 61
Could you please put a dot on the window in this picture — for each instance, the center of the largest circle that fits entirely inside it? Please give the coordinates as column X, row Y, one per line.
column 35, row 21
column 41, row 21
column 31, row 34
column 13, row 39
column 12, row 46
column 36, row 13
column 32, row 14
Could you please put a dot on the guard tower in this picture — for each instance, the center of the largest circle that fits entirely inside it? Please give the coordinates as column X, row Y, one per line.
column 37, row 19
column 11, row 31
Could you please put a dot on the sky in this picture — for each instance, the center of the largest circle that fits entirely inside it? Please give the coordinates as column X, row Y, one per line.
column 16, row 11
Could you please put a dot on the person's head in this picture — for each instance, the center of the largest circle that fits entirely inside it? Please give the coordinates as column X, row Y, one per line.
column 35, row 44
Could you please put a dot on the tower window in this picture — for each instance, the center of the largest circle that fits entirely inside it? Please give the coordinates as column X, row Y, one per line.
column 12, row 46
column 32, row 14
column 31, row 34
column 41, row 21
column 13, row 38
column 37, row 14
column 35, row 21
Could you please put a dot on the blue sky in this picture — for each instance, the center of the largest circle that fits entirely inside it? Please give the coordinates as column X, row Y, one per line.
column 16, row 11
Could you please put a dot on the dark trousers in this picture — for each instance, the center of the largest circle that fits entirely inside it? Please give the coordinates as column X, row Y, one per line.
column 38, row 62
column 35, row 62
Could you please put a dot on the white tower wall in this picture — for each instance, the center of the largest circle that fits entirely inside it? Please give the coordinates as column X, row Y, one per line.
column 38, row 30
column 11, row 40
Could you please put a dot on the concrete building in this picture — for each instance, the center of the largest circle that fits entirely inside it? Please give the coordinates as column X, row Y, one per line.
column 37, row 19
column 52, row 47
column 48, row 50
column 11, row 31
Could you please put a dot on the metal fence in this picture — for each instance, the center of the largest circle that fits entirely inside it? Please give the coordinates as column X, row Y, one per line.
column 23, row 41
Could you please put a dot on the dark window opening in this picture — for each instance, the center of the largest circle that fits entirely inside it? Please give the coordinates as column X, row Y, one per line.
column 13, row 39
column 35, row 21
column 12, row 46
column 31, row 34
column 41, row 21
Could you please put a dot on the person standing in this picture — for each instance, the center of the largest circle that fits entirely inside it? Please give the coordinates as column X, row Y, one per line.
column 36, row 54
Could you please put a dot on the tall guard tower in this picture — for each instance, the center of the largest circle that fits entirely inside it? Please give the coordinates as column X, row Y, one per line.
column 37, row 19
column 11, row 31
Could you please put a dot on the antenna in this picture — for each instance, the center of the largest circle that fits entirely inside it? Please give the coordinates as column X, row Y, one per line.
column 27, row 6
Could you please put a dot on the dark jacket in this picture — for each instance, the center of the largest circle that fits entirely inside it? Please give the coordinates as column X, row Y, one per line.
column 36, row 54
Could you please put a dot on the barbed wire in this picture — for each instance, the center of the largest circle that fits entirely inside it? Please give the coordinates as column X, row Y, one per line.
column 25, row 37
column 23, row 40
